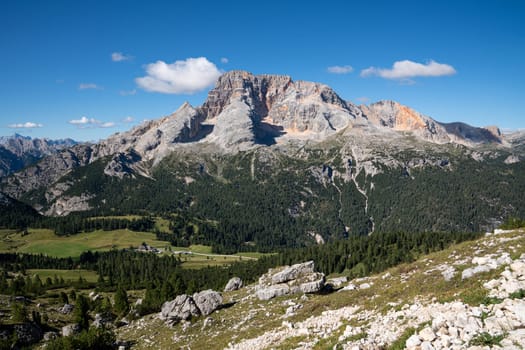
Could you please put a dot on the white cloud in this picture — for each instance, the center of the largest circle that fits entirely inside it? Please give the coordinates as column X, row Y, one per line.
column 88, row 123
column 87, row 86
column 128, row 92
column 408, row 69
column 340, row 69
column 119, row 57
column 128, row 119
column 224, row 60
column 181, row 77
column 82, row 121
column 26, row 125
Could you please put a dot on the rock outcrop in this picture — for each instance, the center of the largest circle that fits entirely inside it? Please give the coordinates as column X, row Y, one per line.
column 184, row 307
column 298, row 278
column 207, row 301
column 234, row 283
column 392, row 115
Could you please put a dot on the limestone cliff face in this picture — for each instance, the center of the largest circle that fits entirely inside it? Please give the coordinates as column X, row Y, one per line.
column 390, row 114
column 277, row 107
column 154, row 139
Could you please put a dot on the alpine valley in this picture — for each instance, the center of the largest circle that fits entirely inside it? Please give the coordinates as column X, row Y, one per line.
column 267, row 162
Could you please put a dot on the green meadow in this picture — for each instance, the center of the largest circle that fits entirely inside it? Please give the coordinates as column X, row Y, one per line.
column 44, row 241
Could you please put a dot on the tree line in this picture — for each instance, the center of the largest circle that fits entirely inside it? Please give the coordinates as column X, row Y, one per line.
column 163, row 277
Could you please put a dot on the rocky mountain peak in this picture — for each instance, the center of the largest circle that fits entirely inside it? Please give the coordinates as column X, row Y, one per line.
column 258, row 90
column 272, row 107
column 24, row 145
column 494, row 130
column 395, row 116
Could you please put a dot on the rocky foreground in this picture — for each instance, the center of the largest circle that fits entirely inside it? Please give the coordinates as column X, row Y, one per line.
column 471, row 296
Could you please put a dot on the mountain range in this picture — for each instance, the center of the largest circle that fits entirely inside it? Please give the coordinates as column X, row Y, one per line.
column 327, row 164
column 17, row 151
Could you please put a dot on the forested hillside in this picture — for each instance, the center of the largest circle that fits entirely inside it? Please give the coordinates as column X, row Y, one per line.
column 259, row 201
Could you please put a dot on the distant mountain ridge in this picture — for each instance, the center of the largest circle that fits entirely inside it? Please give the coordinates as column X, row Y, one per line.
column 17, row 151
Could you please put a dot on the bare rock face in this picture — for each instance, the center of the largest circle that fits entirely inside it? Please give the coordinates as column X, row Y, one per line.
column 234, row 127
column 234, row 283
column 298, row 278
column 207, row 301
column 121, row 165
column 48, row 170
column 18, row 152
column 293, row 272
column 461, row 131
column 272, row 291
column 155, row 139
column 66, row 205
column 183, row 307
column 392, row 115
column 259, row 109
column 312, row 283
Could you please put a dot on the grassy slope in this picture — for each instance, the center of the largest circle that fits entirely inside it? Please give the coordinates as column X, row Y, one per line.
column 46, row 242
column 235, row 323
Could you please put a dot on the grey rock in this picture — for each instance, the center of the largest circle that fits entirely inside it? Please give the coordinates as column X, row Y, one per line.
column 338, row 281
column 517, row 307
column 293, row 272
column 208, row 322
column 298, row 278
column 66, row 309
column 426, row 345
column 18, row 152
column 468, row 273
column 207, row 301
column 234, row 283
column 50, row 336
column 101, row 321
column 183, row 307
column 273, row 291
column 412, row 341
column 427, row 334
column 365, row 285
column 70, row 329
column 314, row 284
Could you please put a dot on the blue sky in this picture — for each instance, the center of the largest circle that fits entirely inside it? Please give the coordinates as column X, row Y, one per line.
column 87, row 69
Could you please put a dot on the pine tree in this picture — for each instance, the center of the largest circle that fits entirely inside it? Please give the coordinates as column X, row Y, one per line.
column 121, row 306
column 166, row 292
column 80, row 315
column 19, row 311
